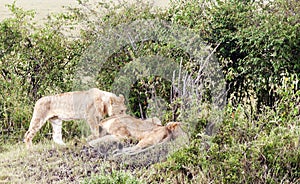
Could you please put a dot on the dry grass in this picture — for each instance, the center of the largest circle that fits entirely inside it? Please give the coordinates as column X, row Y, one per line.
column 74, row 163
column 48, row 163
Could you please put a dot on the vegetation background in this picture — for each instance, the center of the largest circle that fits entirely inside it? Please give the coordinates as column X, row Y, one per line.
column 257, row 44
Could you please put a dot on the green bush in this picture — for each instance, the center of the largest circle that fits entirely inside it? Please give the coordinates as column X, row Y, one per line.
column 258, row 43
column 260, row 149
column 243, row 151
column 115, row 177
column 259, row 50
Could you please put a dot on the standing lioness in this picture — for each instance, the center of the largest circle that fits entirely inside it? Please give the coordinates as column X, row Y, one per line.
column 91, row 105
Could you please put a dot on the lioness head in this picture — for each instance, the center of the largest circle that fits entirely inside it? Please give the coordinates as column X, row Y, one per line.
column 117, row 105
column 175, row 128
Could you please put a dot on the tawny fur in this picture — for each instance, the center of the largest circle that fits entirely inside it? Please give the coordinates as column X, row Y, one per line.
column 91, row 105
column 148, row 132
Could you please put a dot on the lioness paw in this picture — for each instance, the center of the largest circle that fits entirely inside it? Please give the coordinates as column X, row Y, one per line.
column 60, row 142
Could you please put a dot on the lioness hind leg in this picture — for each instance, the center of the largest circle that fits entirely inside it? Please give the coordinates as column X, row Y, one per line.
column 57, row 131
column 35, row 125
column 28, row 139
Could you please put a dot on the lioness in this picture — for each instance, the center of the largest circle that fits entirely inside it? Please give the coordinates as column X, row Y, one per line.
column 91, row 105
column 148, row 132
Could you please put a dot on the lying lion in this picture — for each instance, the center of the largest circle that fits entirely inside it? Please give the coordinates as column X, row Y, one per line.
column 91, row 105
column 148, row 132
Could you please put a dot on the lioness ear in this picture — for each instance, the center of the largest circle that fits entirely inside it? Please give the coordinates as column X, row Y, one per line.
column 155, row 120
column 172, row 125
column 111, row 100
column 122, row 98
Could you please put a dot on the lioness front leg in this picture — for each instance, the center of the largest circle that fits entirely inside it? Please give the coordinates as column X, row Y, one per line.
column 92, row 122
column 128, row 151
column 57, row 130
column 104, row 139
column 150, row 140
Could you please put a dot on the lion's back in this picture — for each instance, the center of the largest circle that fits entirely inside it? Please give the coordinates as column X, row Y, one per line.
column 69, row 105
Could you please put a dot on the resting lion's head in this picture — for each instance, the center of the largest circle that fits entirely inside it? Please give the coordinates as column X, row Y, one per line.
column 117, row 105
